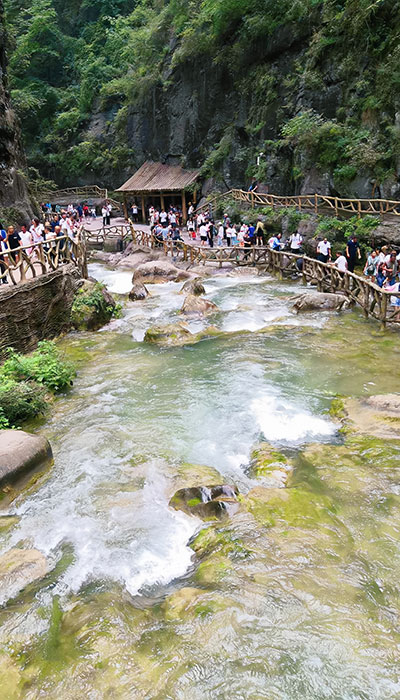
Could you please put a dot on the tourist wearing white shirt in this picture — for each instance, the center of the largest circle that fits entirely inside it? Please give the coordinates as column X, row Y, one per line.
column 324, row 251
column 295, row 242
column 341, row 262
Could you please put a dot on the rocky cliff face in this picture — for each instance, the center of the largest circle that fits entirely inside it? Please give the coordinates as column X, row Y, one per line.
column 14, row 199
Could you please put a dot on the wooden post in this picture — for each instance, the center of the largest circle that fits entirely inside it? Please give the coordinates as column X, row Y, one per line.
column 359, row 210
column 336, row 206
column 383, row 310
column 184, row 209
column 162, row 201
column 125, row 206
column 316, row 203
column 143, row 210
column 252, row 199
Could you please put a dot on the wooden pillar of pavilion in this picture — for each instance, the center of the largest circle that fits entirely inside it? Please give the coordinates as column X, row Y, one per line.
column 143, row 209
column 184, row 209
column 162, row 201
column 125, row 206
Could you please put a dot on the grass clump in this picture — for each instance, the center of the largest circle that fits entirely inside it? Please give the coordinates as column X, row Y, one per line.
column 27, row 381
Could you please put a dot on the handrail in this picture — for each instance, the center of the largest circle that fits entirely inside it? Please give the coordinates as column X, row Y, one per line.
column 20, row 264
column 373, row 300
column 315, row 202
column 84, row 192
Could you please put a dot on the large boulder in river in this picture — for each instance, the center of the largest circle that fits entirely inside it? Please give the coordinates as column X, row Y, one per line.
column 320, row 301
column 156, row 271
column 21, row 452
column 194, row 287
column 206, row 502
column 18, row 568
column 93, row 306
column 138, row 292
column 196, row 305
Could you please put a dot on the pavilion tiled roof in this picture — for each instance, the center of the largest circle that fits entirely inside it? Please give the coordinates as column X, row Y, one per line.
column 156, row 177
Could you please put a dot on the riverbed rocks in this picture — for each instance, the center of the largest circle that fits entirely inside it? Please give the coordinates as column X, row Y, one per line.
column 194, row 287
column 20, row 452
column 196, row 306
column 93, row 306
column 206, row 502
column 319, row 301
column 156, row 271
column 377, row 415
column 138, row 292
column 267, row 461
column 18, row 568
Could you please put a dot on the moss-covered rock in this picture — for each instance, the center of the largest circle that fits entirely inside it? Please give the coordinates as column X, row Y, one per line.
column 206, row 502
column 177, row 334
column 375, row 415
column 293, row 507
column 93, row 307
column 267, row 461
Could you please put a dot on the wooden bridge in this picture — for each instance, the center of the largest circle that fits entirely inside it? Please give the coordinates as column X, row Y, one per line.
column 375, row 302
column 317, row 203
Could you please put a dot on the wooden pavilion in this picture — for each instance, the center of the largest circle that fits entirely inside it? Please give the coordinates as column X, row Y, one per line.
column 159, row 185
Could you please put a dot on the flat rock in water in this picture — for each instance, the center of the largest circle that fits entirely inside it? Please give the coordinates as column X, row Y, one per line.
column 320, row 301
column 267, row 461
column 18, row 568
column 20, row 452
column 195, row 305
column 376, row 415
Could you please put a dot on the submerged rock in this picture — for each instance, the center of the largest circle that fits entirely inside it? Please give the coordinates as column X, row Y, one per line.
column 18, row 568
column 93, row 306
column 177, row 334
column 376, row 415
column 320, row 301
column 194, row 287
column 194, row 305
column 293, row 507
column 206, row 502
column 138, row 292
column 21, row 452
column 266, row 461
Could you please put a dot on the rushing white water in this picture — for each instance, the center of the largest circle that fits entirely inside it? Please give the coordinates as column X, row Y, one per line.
column 212, row 411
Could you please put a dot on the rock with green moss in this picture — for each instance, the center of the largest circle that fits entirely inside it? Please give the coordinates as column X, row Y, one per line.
column 188, row 474
column 267, row 461
column 206, row 502
column 93, row 307
column 18, row 568
column 293, row 507
column 177, row 334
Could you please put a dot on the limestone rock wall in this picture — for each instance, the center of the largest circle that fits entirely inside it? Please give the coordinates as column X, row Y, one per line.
column 37, row 309
column 13, row 189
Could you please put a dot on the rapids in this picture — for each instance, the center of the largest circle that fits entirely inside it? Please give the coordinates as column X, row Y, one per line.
column 302, row 603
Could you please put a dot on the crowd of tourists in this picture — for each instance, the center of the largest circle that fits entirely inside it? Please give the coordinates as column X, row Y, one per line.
column 62, row 224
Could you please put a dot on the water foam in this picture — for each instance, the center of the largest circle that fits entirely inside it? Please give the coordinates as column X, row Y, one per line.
column 282, row 421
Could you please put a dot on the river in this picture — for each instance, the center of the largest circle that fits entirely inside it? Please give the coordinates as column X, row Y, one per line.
column 301, row 604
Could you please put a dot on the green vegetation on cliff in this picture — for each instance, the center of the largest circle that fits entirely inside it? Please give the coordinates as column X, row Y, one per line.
column 312, row 84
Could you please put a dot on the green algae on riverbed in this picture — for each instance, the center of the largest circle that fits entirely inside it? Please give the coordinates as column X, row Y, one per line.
column 296, row 595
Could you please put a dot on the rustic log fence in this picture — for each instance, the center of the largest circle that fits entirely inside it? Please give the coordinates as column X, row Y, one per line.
column 27, row 262
column 318, row 203
column 77, row 194
column 375, row 302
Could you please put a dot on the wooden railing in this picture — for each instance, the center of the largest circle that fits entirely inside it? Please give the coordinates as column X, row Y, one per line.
column 374, row 301
column 27, row 262
column 77, row 194
column 313, row 202
column 96, row 238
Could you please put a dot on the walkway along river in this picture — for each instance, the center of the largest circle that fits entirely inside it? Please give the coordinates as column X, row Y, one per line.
column 296, row 595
